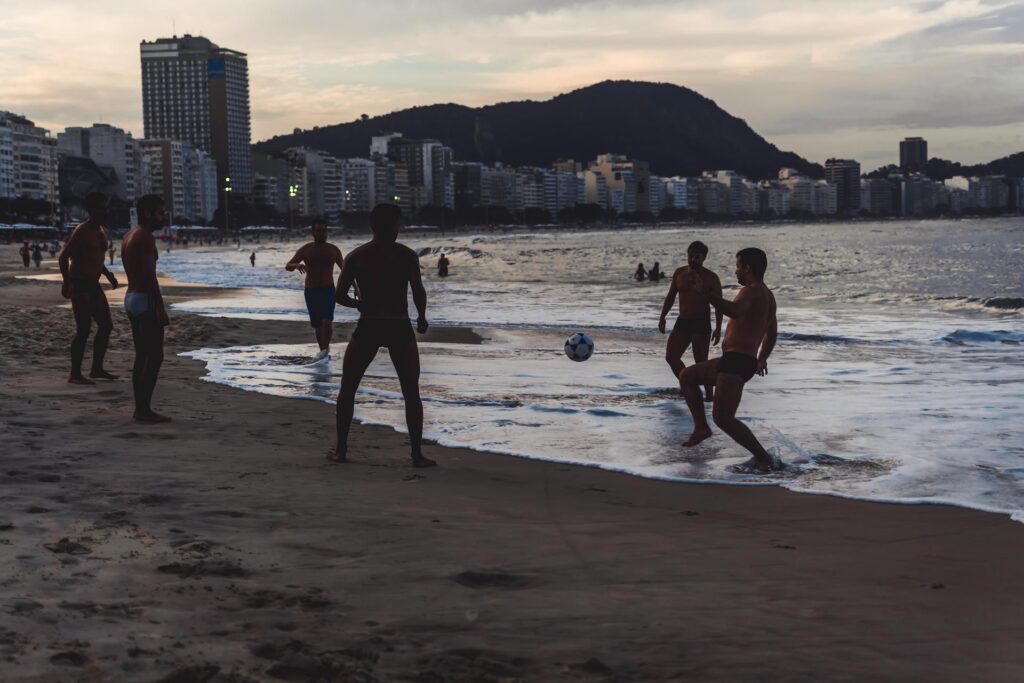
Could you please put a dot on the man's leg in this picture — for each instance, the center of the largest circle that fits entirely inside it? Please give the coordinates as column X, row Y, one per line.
column 358, row 356
column 729, row 391
column 149, row 356
column 406, row 360
column 701, row 346
column 674, row 350
column 81, row 308
column 104, row 326
column 324, row 334
column 690, row 381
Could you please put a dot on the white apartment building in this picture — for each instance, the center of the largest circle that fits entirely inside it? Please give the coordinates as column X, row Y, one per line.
column 683, row 193
column 359, row 183
column 32, row 171
column 110, row 148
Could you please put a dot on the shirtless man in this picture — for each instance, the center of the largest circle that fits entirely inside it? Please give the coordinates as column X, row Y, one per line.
column 81, row 264
column 317, row 260
column 144, row 304
column 383, row 270
column 694, row 322
column 26, row 254
column 752, row 325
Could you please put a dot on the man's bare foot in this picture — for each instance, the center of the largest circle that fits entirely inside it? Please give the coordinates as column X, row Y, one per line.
column 709, row 397
column 421, row 461
column 80, row 380
column 755, row 466
column 150, row 417
column 101, row 374
column 697, row 436
column 335, row 456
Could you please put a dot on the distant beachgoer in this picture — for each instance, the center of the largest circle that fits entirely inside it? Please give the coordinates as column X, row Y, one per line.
column 442, row 266
column 384, row 271
column 145, row 305
column 53, row 249
column 655, row 274
column 317, row 260
column 26, row 254
column 252, row 259
column 753, row 325
column 111, row 252
column 641, row 273
column 81, row 264
column 694, row 322
column 37, row 255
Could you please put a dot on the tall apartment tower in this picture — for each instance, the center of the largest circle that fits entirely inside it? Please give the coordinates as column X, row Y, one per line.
column 198, row 92
column 845, row 175
column 913, row 154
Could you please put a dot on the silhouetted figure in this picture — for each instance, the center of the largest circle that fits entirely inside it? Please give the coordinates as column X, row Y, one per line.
column 316, row 260
column 442, row 266
column 37, row 255
column 252, row 259
column 655, row 274
column 641, row 273
column 26, row 254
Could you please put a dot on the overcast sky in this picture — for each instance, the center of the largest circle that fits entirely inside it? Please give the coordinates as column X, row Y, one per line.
column 821, row 78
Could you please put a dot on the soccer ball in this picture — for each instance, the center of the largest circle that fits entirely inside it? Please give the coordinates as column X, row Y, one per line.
column 579, row 347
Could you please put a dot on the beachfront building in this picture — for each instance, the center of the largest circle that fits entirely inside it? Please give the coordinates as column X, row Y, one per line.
column 112, row 149
column 877, row 196
column 195, row 91
column 683, row 193
column 714, row 196
column 270, row 182
column 627, row 181
column 28, row 160
column 359, row 185
column 318, row 176
column 427, row 165
column 913, row 155
column 774, row 199
column 560, row 191
column 184, row 176
column 826, row 198
column 595, row 188
column 845, row 175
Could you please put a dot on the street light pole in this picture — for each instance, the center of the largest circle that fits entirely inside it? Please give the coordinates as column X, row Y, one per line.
column 293, row 190
column 227, row 204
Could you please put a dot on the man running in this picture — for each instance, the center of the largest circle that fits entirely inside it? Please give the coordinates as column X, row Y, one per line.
column 693, row 326
column 81, row 264
column 753, row 324
column 383, row 270
column 144, row 304
column 317, row 260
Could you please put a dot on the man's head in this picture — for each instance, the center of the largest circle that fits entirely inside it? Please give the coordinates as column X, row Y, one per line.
column 385, row 221
column 696, row 253
column 319, row 229
column 96, row 204
column 152, row 211
column 751, row 263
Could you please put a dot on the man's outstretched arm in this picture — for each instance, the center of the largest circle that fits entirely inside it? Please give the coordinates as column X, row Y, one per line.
column 419, row 294
column 296, row 262
column 770, row 337
column 737, row 308
column 670, row 299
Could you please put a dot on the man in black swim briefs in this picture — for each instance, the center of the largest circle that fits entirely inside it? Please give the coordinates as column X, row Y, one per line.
column 694, row 322
column 752, row 326
column 383, row 271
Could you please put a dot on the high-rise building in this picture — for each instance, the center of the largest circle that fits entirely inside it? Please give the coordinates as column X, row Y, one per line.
column 184, row 176
column 111, row 148
column 196, row 91
column 845, row 175
column 320, row 184
column 31, row 169
column 627, row 175
column 913, row 154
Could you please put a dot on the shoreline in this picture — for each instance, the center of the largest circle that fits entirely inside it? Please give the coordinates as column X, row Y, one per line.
column 223, row 547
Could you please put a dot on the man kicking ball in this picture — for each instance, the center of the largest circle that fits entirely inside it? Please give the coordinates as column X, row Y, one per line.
column 317, row 260
column 752, row 325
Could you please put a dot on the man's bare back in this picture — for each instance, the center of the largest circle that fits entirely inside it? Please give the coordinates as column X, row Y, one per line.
column 382, row 273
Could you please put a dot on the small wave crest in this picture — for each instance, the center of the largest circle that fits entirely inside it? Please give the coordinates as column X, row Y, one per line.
column 819, row 338
column 1005, row 303
column 435, row 251
column 983, row 337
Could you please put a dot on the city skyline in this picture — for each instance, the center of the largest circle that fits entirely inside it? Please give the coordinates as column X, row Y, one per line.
column 820, row 80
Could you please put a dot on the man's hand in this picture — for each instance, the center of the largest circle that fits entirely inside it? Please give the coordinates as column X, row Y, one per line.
column 65, row 289
column 661, row 324
column 716, row 336
column 421, row 325
column 301, row 268
column 762, row 367
column 111, row 279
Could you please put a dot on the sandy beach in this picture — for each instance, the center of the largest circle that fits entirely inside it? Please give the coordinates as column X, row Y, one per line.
column 223, row 547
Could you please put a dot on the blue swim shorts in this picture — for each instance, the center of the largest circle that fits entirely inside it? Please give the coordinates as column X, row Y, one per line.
column 320, row 304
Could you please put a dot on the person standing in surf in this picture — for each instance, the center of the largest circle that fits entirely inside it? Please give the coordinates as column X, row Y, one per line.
column 752, row 326
column 81, row 264
column 693, row 326
column 316, row 260
column 384, row 271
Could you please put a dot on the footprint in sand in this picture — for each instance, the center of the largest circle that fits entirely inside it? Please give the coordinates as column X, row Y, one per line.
column 492, row 579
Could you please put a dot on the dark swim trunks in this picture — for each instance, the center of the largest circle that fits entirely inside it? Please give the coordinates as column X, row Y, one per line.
column 740, row 364
column 320, row 304
column 697, row 325
column 86, row 286
column 378, row 333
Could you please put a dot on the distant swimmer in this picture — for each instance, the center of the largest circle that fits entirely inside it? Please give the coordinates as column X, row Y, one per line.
column 317, row 260
column 694, row 322
column 145, row 305
column 252, row 259
column 641, row 273
column 81, row 264
column 442, row 266
column 655, row 274
column 752, row 325
column 384, row 271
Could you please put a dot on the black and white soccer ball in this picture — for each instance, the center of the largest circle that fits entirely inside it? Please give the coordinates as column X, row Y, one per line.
column 579, row 347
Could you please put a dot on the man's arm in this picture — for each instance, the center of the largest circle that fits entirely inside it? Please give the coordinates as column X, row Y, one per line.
column 770, row 336
column 670, row 299
column 64, row 261
column 296, row 262
column 419, row 293
column 345, row 282
column 737, row 308
column 716, row 336
column 103, row 264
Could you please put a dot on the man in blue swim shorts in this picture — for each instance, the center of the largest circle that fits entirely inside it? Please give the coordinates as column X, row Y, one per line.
column 317, row 260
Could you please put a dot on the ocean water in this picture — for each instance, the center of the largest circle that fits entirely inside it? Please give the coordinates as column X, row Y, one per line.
column 899, row 373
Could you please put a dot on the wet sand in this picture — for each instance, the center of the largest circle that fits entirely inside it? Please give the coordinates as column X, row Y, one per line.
column 223, row 547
